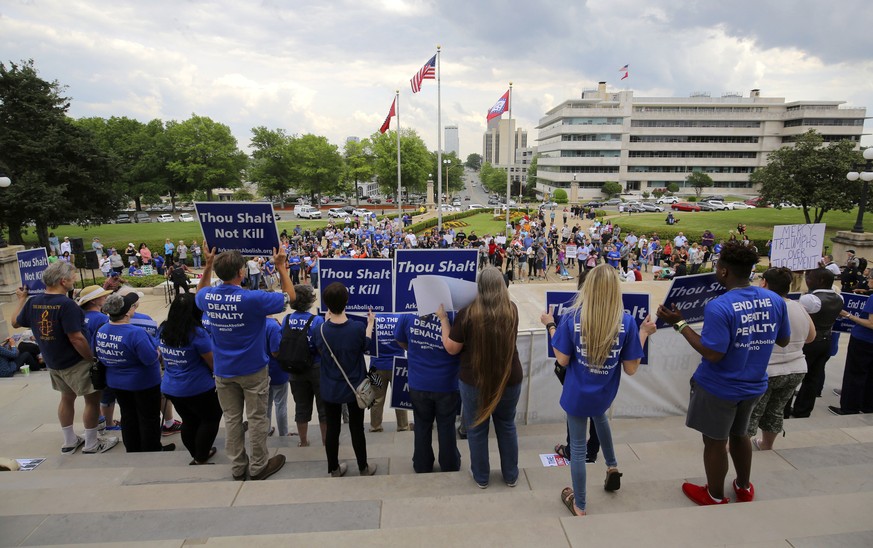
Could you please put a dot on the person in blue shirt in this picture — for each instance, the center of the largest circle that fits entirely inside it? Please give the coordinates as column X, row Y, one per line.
column 186, row 350
column 433, row 389
column 278, row 381
column 740, row 328
column 307, row 387
column 382, row 359
column 133, row 371
column 342, row 343
column 269, row 271
column 236, row 322
column 294, row 266
column 613, row 257
column 312, row 266
column 595, row 340
column 169, row 249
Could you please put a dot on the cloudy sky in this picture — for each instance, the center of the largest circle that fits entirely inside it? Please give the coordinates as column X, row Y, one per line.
column 331, row 67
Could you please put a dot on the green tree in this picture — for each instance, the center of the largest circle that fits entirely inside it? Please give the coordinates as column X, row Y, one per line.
column 698, row 181
column 673, row 188
column 474, row 161
column 360, row 165
column 611, row 188
column 493, row 179
column 318, row 165
column 59, row 172
column 560, row 195
column 203, row 155
column 645, row 195
column 531, row 187
column 812, row 175
column 271, row 167
column 415, row 161
column 658, row 192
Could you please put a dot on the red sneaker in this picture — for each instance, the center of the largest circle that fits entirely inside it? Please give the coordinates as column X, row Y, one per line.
column 744, row 495
column 699, row 494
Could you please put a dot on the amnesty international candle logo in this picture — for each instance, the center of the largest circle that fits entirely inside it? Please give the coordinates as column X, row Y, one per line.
column 45, row 325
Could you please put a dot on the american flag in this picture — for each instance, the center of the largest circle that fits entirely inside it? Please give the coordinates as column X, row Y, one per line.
column 427, row 72
column 625, row 70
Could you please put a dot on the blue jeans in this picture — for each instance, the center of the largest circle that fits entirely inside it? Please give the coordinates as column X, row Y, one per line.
column 442, row 407
column 196, row 259
column 578, row 429
column 504, row 427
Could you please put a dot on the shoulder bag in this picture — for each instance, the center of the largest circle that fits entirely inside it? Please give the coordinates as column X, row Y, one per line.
column 364, row 393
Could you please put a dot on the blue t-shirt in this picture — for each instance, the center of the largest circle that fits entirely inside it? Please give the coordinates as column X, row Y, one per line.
column 613, row 258
column 589, row 391
column 186, row 373
column 743, row 324
column 169, row 248
column 431, row 368
column 130, row 357
column 278, row 375
column 349, row 342
column 859, row 331
column 385, row 346
column 94, row 320
column 297, row 320
column 236, row 322
column 294, row 263
column 52, row 317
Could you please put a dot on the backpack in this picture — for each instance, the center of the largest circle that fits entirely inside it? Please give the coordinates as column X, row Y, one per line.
column 294, row 355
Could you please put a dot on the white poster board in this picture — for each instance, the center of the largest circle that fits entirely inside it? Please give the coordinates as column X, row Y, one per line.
column 798, row 247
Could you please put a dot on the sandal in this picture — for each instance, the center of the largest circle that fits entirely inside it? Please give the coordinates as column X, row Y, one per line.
column 303, row 444
column 569, row 500
column 211, row 454
column 613, row 480
column 561, row 451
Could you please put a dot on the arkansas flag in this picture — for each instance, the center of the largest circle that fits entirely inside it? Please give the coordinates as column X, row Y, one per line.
column 625, row 70
column 501, row 106
column 391, row 114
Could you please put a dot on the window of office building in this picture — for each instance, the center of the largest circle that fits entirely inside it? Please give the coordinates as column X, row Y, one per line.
column 592, row 137
column 592, row 121
column 824, row 122
column 688, row 154
column 590, row 153
column 690, row 139
column 696, row 123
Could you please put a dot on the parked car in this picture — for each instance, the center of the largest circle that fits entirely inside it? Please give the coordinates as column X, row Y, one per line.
column 549, row 205
column 337, row 213
column 685, row 206
column 447, row 207
column 325, row 200
column 188, row 218
column 374, row 200
column 706, row 206
column 466, row 198
column 123, row 218
column 594, row 203
column 166, row 218
column 306, row 212
column 667, row 200
column 718, row 205
column 475, row 206
column 141, row 217
column 782, row 205
column 738, row 205
column 456, row 202
column 613, row 202
column 649, row 207
column 350, row 210
column 635, row 208
column 757, row 202
column 362, row 212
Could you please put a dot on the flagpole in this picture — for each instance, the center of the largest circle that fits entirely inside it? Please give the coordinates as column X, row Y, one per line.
column 439, row 147
column 511, row 162
column 399, row 195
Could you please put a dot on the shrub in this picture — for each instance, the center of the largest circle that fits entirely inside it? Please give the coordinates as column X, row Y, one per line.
column 560, row 196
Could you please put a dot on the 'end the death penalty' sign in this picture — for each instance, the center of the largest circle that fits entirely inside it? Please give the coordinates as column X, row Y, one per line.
column 411, row 263
column 797, row 247
column 31, row 264
column 250, row 228
column 370, row 283
column 635, row 304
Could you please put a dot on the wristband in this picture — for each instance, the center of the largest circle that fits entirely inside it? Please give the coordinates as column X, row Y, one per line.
column 680, row 325
column 551, row 325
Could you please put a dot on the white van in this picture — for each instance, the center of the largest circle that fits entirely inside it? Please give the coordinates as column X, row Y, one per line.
column 306, row 212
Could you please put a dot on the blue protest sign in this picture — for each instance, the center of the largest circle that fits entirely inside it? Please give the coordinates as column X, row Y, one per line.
column 854, row 305
column 249, row 227
column 383, row 333
column 411, row 263
column 690, row 295
column 31, row 264
column 400, row 385
column 369, row 282
column 635, row 304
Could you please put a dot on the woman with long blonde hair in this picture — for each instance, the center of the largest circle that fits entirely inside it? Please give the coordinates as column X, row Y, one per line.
column 592, row 339
column 484, row 333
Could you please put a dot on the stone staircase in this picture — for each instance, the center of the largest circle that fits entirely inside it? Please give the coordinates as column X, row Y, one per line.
column 815, row 490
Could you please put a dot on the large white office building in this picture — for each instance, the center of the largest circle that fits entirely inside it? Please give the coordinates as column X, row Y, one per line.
column 453, row 143
column 649, row 142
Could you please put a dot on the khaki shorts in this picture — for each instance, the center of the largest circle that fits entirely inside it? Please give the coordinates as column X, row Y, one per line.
column 75, row 379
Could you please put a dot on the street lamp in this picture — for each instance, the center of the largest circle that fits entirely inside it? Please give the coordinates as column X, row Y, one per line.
column 866, row 176
column 5, row 181
column 447, row 162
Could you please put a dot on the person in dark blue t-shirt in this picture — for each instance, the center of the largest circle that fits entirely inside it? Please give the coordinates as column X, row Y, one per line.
column 433, row 389
column 236, row 322
column 278, row 381
column 186, row 350
column 342, row 343
column 133, row 371
column 739, row 330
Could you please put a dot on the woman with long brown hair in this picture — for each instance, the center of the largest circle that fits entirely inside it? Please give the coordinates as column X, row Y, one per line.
column 490, row 374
